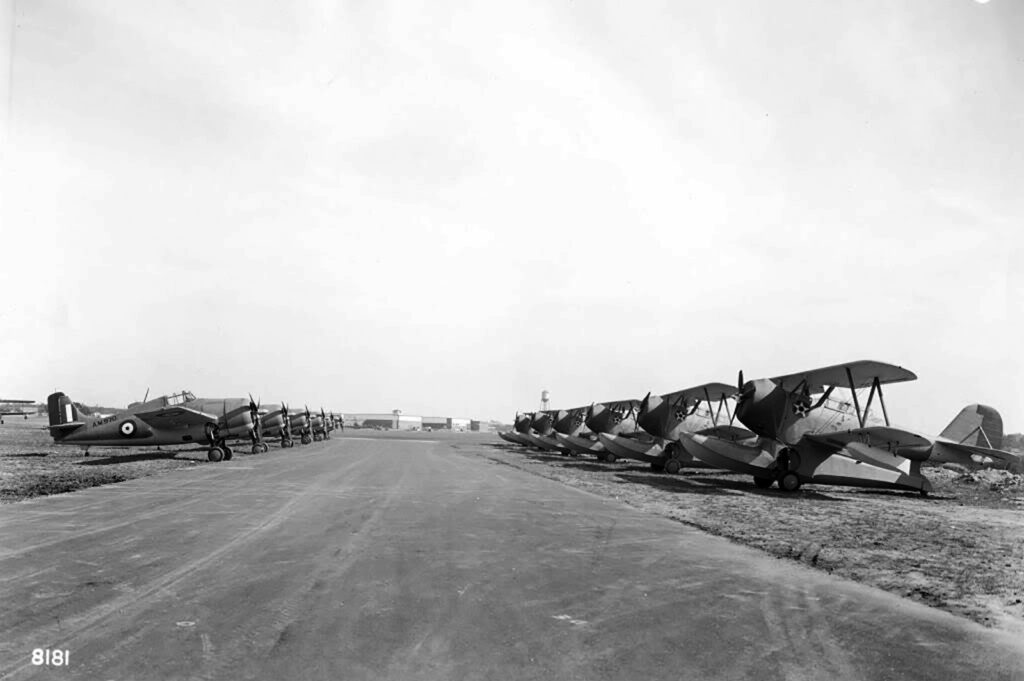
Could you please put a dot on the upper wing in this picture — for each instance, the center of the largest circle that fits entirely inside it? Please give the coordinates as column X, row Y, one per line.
column 713, row 391
column 882, row 437
column 863, row 372
column 170, row 417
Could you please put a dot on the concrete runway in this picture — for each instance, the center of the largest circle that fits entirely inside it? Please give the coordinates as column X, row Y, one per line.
column 405, row 559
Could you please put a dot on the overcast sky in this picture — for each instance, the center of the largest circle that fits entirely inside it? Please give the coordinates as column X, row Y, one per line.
column 445, row 207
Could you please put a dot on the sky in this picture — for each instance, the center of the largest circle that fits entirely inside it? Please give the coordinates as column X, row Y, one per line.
column 447, row 207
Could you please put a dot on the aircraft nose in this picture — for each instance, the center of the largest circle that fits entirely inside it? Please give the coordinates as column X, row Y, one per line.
column 754, row 409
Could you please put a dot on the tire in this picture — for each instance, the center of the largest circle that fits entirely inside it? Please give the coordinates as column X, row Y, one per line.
column 265, row 447
column 306, row 440
column 228, row 453
column 763, row 483
column 215, row 454
column 257, row 449
column 610, row 458
column 672, row 466
column 789, row 482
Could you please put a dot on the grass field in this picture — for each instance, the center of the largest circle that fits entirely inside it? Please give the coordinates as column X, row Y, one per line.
column 960, row 549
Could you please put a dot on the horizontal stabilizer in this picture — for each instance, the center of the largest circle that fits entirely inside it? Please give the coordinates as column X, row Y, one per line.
column 66, row 427
column 970, row 454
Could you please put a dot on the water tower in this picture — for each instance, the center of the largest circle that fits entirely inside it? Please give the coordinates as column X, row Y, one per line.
column 543, row 400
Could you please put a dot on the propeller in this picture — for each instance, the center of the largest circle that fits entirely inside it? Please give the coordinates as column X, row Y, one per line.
column 643, row 404
column 739, row 383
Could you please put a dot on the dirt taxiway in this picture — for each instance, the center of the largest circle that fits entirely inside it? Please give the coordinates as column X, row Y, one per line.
column 420, row 559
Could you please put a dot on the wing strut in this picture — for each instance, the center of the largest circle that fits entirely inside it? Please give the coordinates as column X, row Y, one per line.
column 875, row 385
column 881, row 401
column 856, row 402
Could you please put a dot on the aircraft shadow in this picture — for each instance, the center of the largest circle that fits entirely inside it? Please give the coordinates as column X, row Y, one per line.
column 141, row 456
column 25, row 454
column 716, row 486
column 748, row 487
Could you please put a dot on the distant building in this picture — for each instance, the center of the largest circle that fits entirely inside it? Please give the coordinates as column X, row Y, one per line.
column 396, row 420
column 436, row 423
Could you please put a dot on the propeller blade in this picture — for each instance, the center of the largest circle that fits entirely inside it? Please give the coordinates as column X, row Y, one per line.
column 739, row 384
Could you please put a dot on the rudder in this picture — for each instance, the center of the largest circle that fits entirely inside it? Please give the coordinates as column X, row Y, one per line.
column 978, row 425
column 61, row 410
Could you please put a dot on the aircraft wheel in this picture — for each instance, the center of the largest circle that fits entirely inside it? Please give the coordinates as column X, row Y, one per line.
column 672, row 466
column 256, row 449
column 610, row 458
column 215, row 454
column 305, row 440
column 789, row 482
column 763, row 483
column 264, row 447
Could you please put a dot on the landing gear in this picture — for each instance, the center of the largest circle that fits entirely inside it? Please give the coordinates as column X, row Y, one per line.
column 306, row 439
column 227, row 452
column 257, row 448
column 763, row 483
column 610, row 458
column 789, row 482
column 215, row 454
column 672, row 466
column 316, row 437
column 286, row 442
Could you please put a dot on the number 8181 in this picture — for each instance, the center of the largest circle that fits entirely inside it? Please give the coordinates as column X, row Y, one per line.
column 50, row 658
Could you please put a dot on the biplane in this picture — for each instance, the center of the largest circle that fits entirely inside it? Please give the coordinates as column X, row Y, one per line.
column 617, row 432
column 520, row 426
column 575, row 435
column 806, row 435
column 542, row 431
column 701, row 409
column 15, row 408
column 178, row 419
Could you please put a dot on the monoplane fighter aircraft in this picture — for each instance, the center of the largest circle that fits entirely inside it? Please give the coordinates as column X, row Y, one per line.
column 177, row 419
column 299, row 426
column 318, row 424
column 807, row 437
column 274, row 420
column 15, row 408
column 520, row 426
column 692, row 410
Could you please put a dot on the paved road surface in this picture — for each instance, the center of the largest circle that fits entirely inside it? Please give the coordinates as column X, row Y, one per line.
column 402, row 559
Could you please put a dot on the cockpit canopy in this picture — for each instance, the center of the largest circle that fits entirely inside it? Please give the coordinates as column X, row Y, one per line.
column 178, row 398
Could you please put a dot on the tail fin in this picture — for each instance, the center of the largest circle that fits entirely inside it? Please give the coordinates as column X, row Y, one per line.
column 977, row 425
column 63, row 415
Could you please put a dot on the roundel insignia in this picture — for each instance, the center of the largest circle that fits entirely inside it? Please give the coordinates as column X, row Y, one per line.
column 127, row 428
column 801, row 408
column 680, row 414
